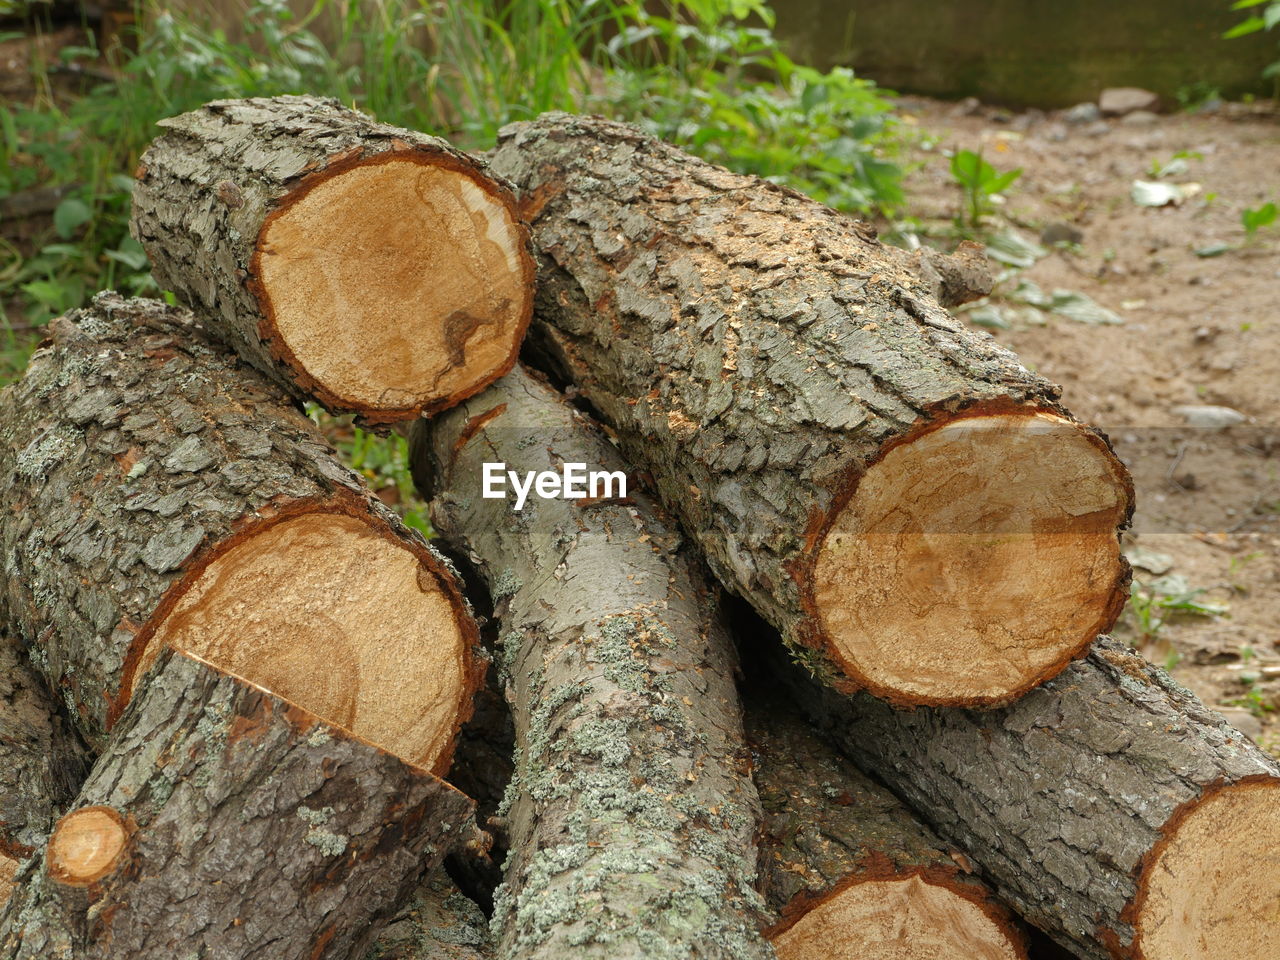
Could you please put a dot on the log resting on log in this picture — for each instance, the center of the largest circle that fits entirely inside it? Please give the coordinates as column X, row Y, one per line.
column 42, row 759
column 631, row 816
column 377, row 270
column 156, row 490
column 843, row 861
column 905, row 502
column 1109, row 807
column 438, row 923
column 224, row 821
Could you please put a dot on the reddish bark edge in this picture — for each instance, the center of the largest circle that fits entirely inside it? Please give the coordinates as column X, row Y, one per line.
column 878, row 869
column 813, row 634
column 344, row 503
column 1141, row 873
column 339, row 164
column 71, row 881
column 14, row 851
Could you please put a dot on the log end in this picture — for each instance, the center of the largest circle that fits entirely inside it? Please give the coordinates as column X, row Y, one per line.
column 342, row 618
column 898, row 918
column 974, row 560
column 394, row 284
column 86, row 845
column 1212, row 887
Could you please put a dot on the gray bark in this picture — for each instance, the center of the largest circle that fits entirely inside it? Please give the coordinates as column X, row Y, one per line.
column 206, row 186
column 438, row 923
column 42, row 759
column 754, row 350
column 256, row 832
column 1060, row 797
column 631, row 816
column 133, row 447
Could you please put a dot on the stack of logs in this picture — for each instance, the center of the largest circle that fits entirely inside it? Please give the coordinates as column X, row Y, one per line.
column 825, row 681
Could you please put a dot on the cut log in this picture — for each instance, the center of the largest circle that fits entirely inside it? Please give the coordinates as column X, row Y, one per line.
column 42, row 759
column 843, row 861
column 377, row 270
column 1109, row 807
column 438, row 923
column 156, row 491
column 906, row 503
column 631, row 816
column 224, row 821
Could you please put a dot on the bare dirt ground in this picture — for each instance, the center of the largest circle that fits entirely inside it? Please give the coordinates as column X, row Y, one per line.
column 1198, row 330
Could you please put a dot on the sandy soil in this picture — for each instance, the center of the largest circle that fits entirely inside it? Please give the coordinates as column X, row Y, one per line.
column 1197, row 330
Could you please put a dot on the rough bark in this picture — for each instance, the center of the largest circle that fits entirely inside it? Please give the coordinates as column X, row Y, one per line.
column 253, row 830
column 760, row 356
column 42, row 759
column 631, row 815
column 135, row 452
column 829, row 827
column 438, row 923
column 1066, row 799
column 209, row 189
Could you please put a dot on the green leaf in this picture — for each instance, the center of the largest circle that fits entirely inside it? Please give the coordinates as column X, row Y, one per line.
column 1272, row 16
column 1252, row 25
column 1002, row 182
column 71, row 214
column 1246, row 4
column 1263, row 216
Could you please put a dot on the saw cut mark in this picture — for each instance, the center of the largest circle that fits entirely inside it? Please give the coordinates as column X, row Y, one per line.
column 901, row 919
column 1213, row 890
column 395, row 282
column 322, row 610
column 85, row 845
column 971, row 562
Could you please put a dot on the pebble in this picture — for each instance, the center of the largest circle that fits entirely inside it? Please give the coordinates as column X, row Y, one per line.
column 1140, row 118
column 1210, row 417
column 1082, row 113
column 1061, row 233
column 1099, row 129
column 1118, row 101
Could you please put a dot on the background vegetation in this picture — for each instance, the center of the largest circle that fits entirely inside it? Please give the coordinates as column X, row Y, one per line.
column 707, row 74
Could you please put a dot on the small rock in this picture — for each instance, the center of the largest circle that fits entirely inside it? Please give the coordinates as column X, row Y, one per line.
column 1242, row 720
column 1060, row 233
column 1119, row 101
column 1140, row 118
column 1211, row 417
column 1082, row 113
column 1099, row 129
column 1056, row 132
column 1150, row 560
column 968, row 107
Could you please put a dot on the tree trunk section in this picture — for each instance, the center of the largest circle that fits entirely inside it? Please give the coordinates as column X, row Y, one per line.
column 1109, row 807
column 224, row 821
column 374, row 269
column 631, row 815
column 884, row 485
column 42, row 759
column 842, row 860
column 438, row 923
column 157, row 491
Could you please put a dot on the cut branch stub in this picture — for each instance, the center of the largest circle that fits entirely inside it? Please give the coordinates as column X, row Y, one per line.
column 159, row 492
column 889, row 488
column 378, row 270
column 1109, row 807
column 843, row 861
column 296, row 839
